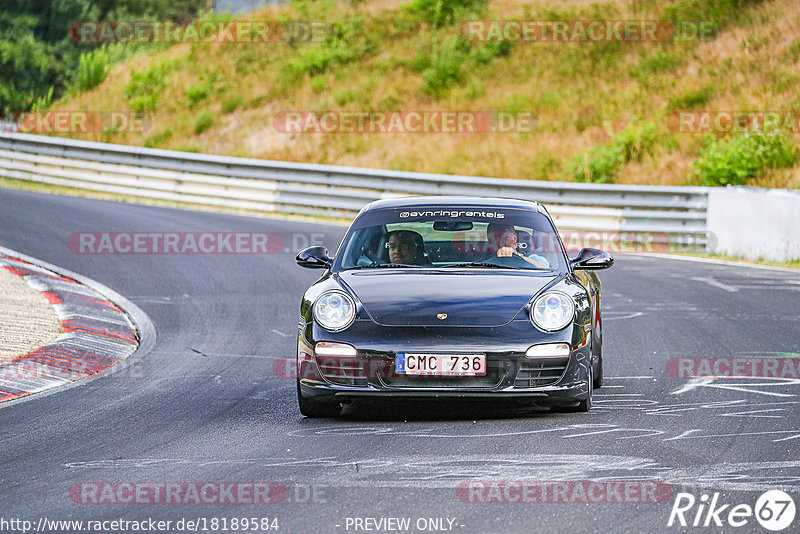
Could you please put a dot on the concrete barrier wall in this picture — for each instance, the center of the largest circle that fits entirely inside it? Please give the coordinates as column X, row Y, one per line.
column 754, row 223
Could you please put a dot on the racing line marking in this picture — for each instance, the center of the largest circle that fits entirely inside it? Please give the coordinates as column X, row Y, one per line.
column 746, row 388
column 714, row 283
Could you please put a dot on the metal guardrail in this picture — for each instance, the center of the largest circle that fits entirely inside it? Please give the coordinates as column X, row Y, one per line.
column 336, row 191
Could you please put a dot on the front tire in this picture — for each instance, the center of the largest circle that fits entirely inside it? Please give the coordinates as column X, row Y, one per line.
column 586, row 404
column 598, row 377
column 315, row 409
column 598, row 374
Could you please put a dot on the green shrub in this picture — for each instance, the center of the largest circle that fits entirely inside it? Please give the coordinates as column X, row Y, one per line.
column 754, row 42
column 603, row 55
column 257, row 101
column 585, row 118
column 232, row 104
column 390, row 102
column 204, row 122
column 651, row 65
column 93, row 67
column 346, row 43
column 692, row 99
column 786, row 80
column 735, row 160
column 316, row 59
column 491, row 50
column 144, row 87
column 517, row 103
column 202, row 89
column 43, row 102
column 601, row 163
column 598, row 164
column 636, row 140
column 716, row 12
column 244, row 62
column 158, row 138
column 196, row 93
column 421, row 62
column 440, row 12
column 442, row 62
column 445, row 61
column 445, row 69
column 344, row 96
column 474, row 90
column 318, row 84
column 793, row 51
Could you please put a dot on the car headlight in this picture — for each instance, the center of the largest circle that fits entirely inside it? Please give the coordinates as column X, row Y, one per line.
column 334, row 310
column 552, row 311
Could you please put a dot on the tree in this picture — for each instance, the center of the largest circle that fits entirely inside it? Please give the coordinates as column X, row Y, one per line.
column 36, row 53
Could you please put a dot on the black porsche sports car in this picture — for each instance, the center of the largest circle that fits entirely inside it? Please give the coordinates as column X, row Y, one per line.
column 451, row 297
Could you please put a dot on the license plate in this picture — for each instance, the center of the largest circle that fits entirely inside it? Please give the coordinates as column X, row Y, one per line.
column 441, row 364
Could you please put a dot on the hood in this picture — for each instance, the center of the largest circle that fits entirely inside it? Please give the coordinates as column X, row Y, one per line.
column 403, row 297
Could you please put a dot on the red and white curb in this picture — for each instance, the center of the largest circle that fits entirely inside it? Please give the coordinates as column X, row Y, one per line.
column 95, row 333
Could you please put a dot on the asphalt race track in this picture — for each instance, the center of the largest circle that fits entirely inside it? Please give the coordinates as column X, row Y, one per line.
column 209, row 403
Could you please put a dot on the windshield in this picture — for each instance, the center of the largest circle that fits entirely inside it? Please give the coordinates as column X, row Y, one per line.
column 452, row 238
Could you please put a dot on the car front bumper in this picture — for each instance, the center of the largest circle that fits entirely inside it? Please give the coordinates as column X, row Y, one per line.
column 508, row 378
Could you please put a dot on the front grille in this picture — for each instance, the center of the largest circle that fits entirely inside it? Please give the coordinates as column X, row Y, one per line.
column 343, row 371
column 538, row 372
column 380, row 368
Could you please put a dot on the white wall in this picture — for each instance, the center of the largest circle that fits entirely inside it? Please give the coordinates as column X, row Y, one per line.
column 754, row 223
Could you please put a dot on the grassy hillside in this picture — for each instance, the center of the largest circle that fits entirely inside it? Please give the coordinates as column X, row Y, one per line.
column 602, row 109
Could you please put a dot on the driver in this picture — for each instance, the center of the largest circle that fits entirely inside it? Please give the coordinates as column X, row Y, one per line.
column 504, row 238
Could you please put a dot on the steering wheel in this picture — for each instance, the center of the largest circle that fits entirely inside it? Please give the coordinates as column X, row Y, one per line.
column 510, row 261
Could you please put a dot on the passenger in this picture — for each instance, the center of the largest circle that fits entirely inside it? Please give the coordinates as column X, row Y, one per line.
column 406, row 247
column 504, row 239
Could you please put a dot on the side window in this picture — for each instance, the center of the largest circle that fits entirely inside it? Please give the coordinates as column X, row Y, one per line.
column 546, row 245
column 362, row 248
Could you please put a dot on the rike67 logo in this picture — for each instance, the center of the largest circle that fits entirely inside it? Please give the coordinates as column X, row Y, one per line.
column 774, row 510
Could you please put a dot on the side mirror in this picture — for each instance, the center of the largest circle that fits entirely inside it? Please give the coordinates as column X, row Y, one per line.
column 314, row 258
column 592, row 259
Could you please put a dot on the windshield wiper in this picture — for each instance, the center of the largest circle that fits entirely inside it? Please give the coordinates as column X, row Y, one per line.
column 381, row 266
column 482, row 265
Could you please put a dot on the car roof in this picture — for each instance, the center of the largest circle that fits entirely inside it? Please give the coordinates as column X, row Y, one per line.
column 451, row 201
